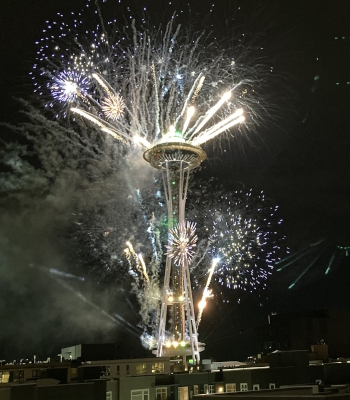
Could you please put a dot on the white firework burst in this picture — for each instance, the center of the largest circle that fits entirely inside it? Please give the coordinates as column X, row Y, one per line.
column 182, row 241
column 113, row 106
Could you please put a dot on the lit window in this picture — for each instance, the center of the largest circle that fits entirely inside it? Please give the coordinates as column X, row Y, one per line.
column 206, row 391
column 157, row 368
column 109, row 395
column 141, row 368
column 161, row 393
column 195, row 389
column 230, row 387
column 4, row 377
column 183, row 393
column 272, row 386
column 256, row 387
column 142, row 394
column 244, row 387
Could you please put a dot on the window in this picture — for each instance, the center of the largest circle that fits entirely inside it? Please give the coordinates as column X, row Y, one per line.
column 230, row 387
column 142, row 394
column 39, row 373
column 118, row 370
column 183, row 393
column 256, row 387
column 161, row 393
column 140, row 369
column 272, row 386
column 206, row 391
column 18, row 376
column 157, row 368
column 243, row 387
column 127, row 369
column 5, row 377
column 195, row 389
column 106, row 370
column 109, row 396
column 211, row 389
column 74, row 373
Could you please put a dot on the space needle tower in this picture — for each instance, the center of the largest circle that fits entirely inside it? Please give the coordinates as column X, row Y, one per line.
column 177, row 335
column 176, row 154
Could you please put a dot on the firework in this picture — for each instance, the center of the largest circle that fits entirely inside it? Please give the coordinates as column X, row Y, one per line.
column 113, row 107
column 183, row 240
column 207, row 293
column 243, row 232
column 168, row 84
column 144, row 269
column 145, row 87
column 68, row 86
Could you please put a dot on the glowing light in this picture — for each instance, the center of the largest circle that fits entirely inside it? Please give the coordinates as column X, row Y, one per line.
column 175, row 344
column 183, row 343
column 143, row 141
column 182, row 241
column 202, row 304
column 168, row 344
column 171, row 299
column 181, row 298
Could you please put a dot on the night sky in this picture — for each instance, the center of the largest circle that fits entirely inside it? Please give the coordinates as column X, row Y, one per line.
column 302, row 164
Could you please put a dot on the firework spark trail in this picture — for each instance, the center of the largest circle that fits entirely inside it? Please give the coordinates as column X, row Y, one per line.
column 330, row 263
column 311, row 255
column 160, row 74
column 118, row 319
column 144, row 269
column 206, row 292
column 148, row 295
column 305, row 271
column 296, row 256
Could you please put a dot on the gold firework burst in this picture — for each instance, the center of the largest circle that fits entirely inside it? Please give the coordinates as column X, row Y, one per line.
column 113, row 106
column 182, row 242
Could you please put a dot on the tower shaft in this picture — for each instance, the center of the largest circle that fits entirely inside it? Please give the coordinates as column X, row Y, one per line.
column 177, row 298
column 177, row 333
